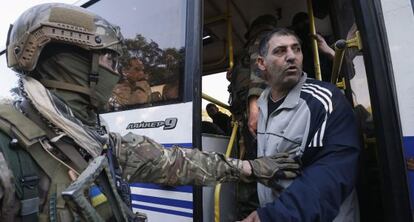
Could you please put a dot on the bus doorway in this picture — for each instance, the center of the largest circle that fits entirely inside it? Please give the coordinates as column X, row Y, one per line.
column 382, row 185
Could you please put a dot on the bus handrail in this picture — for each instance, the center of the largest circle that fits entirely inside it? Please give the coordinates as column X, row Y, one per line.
column 217, row 189
column 215, row 101
column 340, row 47
column 312, row 27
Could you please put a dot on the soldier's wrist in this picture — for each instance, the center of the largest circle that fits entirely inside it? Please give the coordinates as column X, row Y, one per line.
column 246, row 168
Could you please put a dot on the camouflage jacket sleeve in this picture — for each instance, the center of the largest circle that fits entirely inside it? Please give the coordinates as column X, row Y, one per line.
column 257, row 79
column 144, row 160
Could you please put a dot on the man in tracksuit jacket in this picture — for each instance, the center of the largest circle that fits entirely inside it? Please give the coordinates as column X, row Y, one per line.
column 313, row 121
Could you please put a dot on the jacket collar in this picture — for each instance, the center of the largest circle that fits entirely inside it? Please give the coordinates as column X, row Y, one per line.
column 292, row 98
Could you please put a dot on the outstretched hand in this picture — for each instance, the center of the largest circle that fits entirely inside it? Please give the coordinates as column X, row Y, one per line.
column 323, row 46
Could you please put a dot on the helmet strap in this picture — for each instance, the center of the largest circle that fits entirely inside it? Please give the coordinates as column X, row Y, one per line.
column 94, row 78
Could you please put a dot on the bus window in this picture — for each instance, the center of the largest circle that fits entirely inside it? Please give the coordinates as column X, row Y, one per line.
column 216, row 86
column 152, row 66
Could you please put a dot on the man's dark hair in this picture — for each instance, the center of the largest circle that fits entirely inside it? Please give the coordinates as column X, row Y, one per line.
column 264, row 43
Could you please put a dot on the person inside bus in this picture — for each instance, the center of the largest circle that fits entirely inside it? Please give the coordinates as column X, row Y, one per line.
column 300, row 24
column 219, row 118
column 313, row 121
column 133, row 88
column 247, row 81
column 170, row 91
column 211, row 128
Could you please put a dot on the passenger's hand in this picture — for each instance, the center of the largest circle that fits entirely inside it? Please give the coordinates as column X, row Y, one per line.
column 269, row 170
column 323, row 46
column 253, row 115
column 253, row 217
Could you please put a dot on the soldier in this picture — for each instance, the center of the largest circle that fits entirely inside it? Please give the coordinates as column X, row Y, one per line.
column 247, row 83
column 66, row 58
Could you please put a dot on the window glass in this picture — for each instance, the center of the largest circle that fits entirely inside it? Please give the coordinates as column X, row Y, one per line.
column 370, row 181
column 153, row 62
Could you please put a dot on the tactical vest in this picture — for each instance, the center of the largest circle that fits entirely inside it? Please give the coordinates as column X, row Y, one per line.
column 38, row 178
column 239, row 84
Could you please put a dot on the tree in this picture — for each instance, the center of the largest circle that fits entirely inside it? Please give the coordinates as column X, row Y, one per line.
column 161, row 65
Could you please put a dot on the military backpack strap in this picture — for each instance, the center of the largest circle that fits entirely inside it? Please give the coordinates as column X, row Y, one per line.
column 66, row 146
column 18, row 126
column 25, row 133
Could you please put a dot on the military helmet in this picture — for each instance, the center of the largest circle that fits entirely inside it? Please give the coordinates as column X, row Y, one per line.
column 60, row 23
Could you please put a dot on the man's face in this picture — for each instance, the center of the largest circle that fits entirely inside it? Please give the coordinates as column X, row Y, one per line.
column 135, row 71
column 283, row 62
column 211, row 111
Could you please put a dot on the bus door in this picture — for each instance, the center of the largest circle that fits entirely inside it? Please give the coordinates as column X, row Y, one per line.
column 375, row 79
column 157, row 93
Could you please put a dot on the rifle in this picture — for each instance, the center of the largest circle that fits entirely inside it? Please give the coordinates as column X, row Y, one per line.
column 98, row 172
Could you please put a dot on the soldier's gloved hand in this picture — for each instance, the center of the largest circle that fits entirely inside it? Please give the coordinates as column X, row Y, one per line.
column 268, row 170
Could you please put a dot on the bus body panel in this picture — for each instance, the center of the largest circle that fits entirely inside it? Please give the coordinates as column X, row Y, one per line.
column 399, row 22
column 169, row 125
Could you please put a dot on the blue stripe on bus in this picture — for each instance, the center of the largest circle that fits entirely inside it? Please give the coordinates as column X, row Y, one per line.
column 163, row 201
column 174, row 212
column 184, row 145
column 409, row 153
column 186, row 189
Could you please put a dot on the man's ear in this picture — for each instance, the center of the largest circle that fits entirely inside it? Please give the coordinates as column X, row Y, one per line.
column 261, row 63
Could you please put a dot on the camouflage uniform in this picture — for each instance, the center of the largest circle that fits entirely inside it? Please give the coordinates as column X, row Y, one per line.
column 257, row 78
column 248, row 81
column 142, row 160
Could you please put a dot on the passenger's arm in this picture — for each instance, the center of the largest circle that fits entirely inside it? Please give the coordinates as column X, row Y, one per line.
column 324, row 47
column 328, row 178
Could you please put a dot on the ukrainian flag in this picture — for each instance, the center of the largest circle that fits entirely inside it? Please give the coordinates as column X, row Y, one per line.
column 96, row 196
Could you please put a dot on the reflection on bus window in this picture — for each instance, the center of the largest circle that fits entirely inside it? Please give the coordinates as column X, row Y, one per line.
column 133, row 88
column 152, row 64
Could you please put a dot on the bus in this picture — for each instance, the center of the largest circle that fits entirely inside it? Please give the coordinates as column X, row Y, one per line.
column 203, row 37
column 173, row 44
